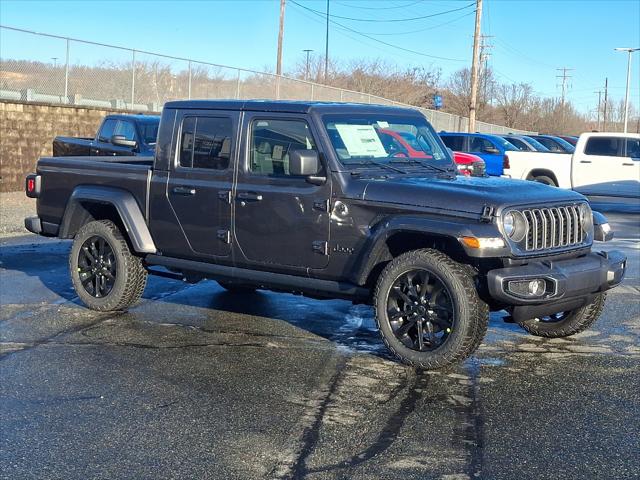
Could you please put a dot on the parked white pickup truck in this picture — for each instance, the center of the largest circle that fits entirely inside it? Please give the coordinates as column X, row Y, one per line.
column 604, row 164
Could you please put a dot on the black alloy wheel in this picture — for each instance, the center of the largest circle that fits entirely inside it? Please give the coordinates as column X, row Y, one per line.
column 420, row 310
column 97, row 267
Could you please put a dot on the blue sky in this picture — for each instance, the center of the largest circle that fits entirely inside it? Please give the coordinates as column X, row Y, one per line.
column 530, row 38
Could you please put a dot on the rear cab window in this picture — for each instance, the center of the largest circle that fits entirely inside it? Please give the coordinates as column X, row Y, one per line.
column 454, row 142
column 205, row 142
column 604, row 146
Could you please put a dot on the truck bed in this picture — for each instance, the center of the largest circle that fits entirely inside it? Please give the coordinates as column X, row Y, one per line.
column 61, row 175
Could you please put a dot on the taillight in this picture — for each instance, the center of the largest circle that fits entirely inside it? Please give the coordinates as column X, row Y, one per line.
column 32, row 185
column 505, row 162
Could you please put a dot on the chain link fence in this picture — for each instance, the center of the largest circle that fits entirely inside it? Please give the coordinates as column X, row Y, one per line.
column 75, row 72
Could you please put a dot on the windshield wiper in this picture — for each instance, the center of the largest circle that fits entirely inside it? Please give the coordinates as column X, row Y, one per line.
column 424, row 164
column 379, row 164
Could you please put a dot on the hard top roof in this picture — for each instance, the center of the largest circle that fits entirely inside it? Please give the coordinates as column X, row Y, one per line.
column 288, row 106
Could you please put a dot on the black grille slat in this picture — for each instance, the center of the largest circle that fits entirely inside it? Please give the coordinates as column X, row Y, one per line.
column 555, row 227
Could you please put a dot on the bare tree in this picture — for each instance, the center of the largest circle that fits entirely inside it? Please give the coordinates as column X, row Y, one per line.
column 513, row 102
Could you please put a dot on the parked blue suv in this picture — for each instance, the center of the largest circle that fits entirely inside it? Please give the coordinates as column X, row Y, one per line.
column 490, row 148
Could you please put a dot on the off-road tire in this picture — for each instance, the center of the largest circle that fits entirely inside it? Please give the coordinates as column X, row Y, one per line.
column 544, row 179
column 470, row 312
column 575, row 321
column 130, row 278
column 237, row 287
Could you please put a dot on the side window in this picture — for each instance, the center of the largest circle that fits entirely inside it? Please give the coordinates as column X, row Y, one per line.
column 604, row 146
column 271, row 142
column 106, row 131
column 633, row 148
column 454, row 143
column 126, row 129
column 206, row 143
column 479, row 145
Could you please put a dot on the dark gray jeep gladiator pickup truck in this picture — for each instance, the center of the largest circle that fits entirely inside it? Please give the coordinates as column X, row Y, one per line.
column 305, row 198
column 117, row 135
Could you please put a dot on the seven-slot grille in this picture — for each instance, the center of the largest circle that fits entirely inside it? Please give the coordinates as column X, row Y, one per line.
column 554, row 227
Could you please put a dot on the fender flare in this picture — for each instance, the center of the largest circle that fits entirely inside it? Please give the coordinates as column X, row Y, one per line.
column 125, row 204
column 448, row 229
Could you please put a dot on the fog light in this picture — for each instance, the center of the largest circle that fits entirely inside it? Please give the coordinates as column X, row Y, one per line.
column 528, row 288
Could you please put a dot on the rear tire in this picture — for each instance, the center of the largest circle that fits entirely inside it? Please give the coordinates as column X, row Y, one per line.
column 104, row 272
column 544, row 179
column 425, row 294
column 565, row 324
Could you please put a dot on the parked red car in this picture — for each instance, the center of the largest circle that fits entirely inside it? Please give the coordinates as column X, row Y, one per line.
column 468, row 164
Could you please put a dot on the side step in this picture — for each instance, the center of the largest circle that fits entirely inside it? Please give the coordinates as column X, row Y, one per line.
column 266, row 280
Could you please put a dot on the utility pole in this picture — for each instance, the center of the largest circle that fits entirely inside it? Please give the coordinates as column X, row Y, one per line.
column 564, row 78
column 626, row 95
column 326, row 49
column 280, row 35
column 604, row 116
column 599, row 92
column 306, row 68
column 484, row 64
column 474, row 68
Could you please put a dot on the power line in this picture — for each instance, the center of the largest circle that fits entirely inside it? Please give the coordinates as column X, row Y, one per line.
column 391, row 20
column 323, row 15
column 433, row 27
column 381, row 8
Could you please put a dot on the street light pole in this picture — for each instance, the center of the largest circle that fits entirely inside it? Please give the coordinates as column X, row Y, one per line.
column 626, row 95
column 306, row 68
column 326, row 48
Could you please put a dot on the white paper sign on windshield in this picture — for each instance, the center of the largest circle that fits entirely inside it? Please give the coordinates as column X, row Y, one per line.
column 361, row 140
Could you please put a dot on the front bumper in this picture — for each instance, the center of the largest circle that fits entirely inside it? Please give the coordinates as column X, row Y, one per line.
column 571, row 283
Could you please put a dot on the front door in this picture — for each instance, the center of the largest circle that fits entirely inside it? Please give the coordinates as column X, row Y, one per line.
column 201, row 179
column 489, row 152
column 609, row 166
column 280, row 219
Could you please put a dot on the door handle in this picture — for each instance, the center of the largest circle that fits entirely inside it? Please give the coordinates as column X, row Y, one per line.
column 585, row 161
column 184, row 190
column 628, row 164
column 249, row 196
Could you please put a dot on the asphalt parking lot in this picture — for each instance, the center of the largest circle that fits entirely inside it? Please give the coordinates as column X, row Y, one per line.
column 195, row 382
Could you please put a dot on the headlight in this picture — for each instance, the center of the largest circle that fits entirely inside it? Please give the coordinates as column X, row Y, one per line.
column 514, row 225
column 586, row 218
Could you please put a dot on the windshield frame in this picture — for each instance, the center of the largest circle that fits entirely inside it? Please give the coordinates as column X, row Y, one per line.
column 447, row 162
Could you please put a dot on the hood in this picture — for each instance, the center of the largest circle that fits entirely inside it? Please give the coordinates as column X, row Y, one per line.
column 462, row 194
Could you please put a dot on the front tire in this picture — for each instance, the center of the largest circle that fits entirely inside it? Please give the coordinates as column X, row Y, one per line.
column 565, row 324
column 428, row 310
column 104, row 272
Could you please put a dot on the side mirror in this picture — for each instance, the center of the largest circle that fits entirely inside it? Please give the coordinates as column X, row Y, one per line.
column 304, row 163
column 491, row 150
column 122, row 141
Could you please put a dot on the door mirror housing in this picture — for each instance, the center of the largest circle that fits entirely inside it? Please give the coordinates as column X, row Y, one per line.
column 304, row 163
column 122, row 141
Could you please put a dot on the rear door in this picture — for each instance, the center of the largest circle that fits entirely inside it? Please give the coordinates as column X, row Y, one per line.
column 609, row 166
column 201, row 179
column 281, row 220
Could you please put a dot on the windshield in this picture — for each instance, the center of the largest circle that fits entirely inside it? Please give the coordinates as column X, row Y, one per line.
column 362, row 139
column 566, row 145
column 149, row 132
column 505, row 144
column 536, row 144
